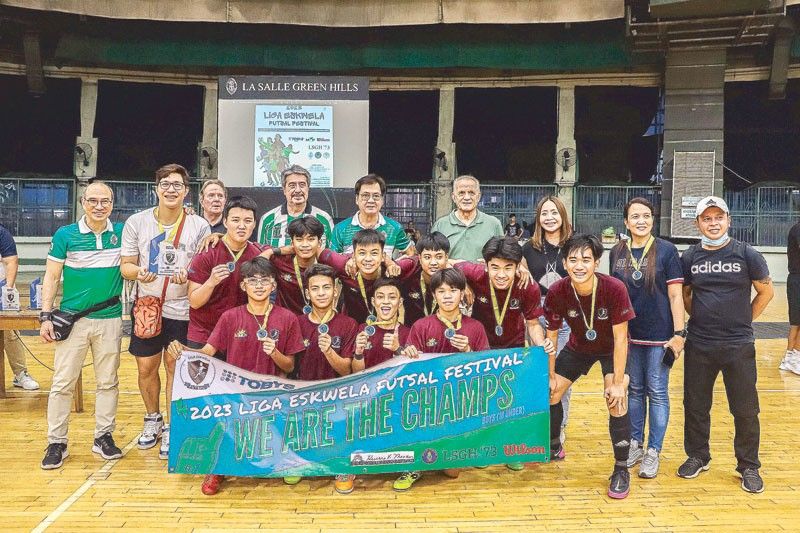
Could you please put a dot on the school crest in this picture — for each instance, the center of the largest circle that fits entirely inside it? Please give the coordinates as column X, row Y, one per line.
column 197, row 371
column 514, row 303
column 602, row 314
column 114, row 239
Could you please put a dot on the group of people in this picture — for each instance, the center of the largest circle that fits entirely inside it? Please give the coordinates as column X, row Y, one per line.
column 312, row 300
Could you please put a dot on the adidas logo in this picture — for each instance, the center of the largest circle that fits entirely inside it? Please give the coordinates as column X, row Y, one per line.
column 707, row 267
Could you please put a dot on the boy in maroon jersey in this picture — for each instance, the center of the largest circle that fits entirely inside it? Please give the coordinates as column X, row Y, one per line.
column 258, row 336
column 215, row 275
column 445, row 331
column 379, row 342
column 597, row 308
column 418, row 301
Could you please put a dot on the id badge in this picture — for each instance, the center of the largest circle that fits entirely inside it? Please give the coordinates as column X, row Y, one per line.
column 168, row 260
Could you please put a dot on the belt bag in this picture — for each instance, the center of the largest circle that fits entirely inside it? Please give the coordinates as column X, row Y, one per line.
column 63, row 321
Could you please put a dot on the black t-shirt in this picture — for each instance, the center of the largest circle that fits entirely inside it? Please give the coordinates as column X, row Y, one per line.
column 546, row 266
column 513, row 230
column 793, row 249
column 721, row 281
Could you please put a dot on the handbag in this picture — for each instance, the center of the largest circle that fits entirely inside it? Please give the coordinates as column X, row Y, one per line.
column 146, row 314
column 63, row 321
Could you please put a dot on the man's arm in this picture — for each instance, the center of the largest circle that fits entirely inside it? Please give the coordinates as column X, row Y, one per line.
column 687, row 299
column 12, row 266
column 552, row 336
column 283, row 361
column 764, row 293
column 52, row 277
column 620, row 351
column 342, row 365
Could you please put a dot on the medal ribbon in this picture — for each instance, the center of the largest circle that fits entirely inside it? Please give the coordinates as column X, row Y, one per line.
column 235, row 255
column 448, row 324
column 499, row 317
column 327, row 317
column 299, row 279
column 634, row 263
column 363, row 290
column 263, row 325
column 174, row 230
column 423, row 291
column 589, row 325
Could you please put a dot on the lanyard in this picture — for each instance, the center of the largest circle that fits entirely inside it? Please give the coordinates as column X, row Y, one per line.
column 235, row 255
column 327, row 317
column 589, row 325
column 423, row 291
column 634, row 263
column 498, row 316
column 363, row 290
column 448, row 324
column 299, row 279
column 175, row 226
column 262, row 327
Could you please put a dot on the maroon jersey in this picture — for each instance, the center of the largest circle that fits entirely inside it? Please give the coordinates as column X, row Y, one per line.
column 427, row 335
column 314, row 365
column 413, row 296
column 236, row 335
column 290, row 295
column 524, row 304
column 612, row 307
column 225, row 296
column 354, row 304
column 375, row 353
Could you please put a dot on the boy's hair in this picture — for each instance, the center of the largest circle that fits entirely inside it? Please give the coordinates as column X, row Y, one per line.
column 242, row 202
column 318, row 269
column 448, row 276
column 366, row 237
column 581, row 241
column 305, row 226
column 434, row 242
column 502, row 248
column 386, row 282
column 258, row 266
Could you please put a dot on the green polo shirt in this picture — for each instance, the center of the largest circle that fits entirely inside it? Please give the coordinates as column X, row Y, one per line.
column 91, row 266
column 396, row 237
column 466, row 242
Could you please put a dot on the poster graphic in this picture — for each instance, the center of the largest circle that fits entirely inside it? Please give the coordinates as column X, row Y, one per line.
column 295, row 134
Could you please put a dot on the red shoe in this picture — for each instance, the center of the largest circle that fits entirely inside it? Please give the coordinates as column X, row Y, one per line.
column 211, row 484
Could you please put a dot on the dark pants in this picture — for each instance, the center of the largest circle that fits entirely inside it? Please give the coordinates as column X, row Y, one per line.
column 738, row 366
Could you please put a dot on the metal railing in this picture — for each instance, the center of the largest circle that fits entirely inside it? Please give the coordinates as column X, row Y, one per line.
column 36, row 207
column 762, row 216
column 133, row 196
column 504, row 200
column 412, row 202
column 598, row 207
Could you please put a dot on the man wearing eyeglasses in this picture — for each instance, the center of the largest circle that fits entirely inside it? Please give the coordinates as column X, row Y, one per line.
column 467, row 227
column 370, row 193
column 273, row 226
column 157, row 246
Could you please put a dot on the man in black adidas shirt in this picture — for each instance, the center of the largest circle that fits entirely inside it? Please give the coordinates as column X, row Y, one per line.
column 718, row 274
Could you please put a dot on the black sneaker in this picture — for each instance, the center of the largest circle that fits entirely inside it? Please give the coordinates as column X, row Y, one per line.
column 557, row 454
column 620, row 484
column 104, row 445
column 692, row 467
column 751, row 481
column 54, row 456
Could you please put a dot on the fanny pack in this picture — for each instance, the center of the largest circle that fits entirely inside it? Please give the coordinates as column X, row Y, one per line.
column 63, row 321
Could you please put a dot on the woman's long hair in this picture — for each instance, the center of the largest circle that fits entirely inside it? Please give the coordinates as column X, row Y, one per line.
column 621, row 248
column 537, row 238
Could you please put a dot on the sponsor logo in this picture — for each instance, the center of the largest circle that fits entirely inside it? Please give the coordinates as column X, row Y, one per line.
column 287, row 277
column 429, row 456
column 430, row 343
column 602, row 313
column 381, row 458
column 231, row 86
column 196, row 372
column 514, row 303
column 228, row 376
column 257, row 384
column 241, row 334
column 483, row 299
column 415, row 295
column 306, row 343
column 511, row 450
column 709, row 267
column 572, row 313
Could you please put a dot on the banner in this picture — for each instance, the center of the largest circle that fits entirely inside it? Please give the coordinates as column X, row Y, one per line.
column 432, row 413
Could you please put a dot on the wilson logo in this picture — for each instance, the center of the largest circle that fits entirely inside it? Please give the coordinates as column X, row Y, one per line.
column 719, row 266
column 521, row 449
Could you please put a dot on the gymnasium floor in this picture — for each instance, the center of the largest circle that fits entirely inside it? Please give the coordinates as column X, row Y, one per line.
column 136, row 492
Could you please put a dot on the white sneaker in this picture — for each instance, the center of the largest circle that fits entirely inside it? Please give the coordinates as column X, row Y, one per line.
column 153, row 425
column 793, row 364
column 788, row 357
column 163, row 451
column 24, row 381
column 635, row 454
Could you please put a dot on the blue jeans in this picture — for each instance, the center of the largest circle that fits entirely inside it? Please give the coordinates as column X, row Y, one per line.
column 563, row 337
column 649, row 390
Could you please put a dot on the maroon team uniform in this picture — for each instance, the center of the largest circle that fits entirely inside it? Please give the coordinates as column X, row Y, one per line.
column 427, row 335
column 236, row 335
column 290, row 295
column 524, row 304
column 413, row 296
column 375, row 353
column 314, row 365
column 225, row 296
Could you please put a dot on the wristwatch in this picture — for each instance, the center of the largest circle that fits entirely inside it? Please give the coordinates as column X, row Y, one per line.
column 680, row 333
column 358, row 357
column 44, row 316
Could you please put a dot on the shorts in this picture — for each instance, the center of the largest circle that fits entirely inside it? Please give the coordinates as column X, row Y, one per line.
column 572, row 365
column 171, row 330
column 793, row 295
column 192, row 345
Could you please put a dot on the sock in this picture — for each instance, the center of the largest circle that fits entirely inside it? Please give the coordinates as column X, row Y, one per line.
column 619, row 427
column 556, row 417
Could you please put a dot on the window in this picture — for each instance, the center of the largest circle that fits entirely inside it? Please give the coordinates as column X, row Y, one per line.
column 36, row 207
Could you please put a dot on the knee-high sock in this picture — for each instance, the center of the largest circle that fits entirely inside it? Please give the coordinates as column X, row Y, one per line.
column 556, row 417
column 619, row 427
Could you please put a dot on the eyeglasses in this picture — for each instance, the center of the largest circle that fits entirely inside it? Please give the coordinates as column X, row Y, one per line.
column 94, row 202
column 366, row 197
column 259, row 282
column 165, row 185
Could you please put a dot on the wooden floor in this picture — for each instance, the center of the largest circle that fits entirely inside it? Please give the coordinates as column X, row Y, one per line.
column 137, row 493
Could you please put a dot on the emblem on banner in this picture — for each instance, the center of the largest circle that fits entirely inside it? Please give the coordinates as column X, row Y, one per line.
column 231, row 86
column 196, row 372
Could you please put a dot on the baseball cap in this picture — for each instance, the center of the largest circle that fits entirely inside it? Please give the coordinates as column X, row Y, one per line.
column 711, row 201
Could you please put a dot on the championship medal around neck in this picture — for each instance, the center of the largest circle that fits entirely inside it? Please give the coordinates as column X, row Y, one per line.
column 306, row 309
column 498, row 331
column 323, row 329
column 449, row 333
column 371, row 319
column 262, row 334
column 369, row 330
column 231, row 266
column 637, row 275
column 591, row 334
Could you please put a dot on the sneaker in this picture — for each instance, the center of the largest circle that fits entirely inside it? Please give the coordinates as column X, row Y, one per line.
column 211, row 484
column 344, row 483
column 691, row 468
column 620, row 484
column 788, row 357
column 292, row 480
column 650, row 463
column 405, row 481
column 635, row 454
column 104, row 445
column 24, row 381
column 163, row 451
column 557, row 454
column 562, row 436
column 516, row 467
column 793, row 364
column 54, row 456
column 751, row 481
column 153, row 426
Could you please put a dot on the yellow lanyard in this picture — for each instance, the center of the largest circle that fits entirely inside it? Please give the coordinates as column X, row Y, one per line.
column 299, row 279
column 235, row 255
column 363, row 290
column 448, row 324
column 327, row 316
column 589, row 325
column 423, row 291
column 175, row 226
column 262, row 327
column 634, row 263
column 499, row 317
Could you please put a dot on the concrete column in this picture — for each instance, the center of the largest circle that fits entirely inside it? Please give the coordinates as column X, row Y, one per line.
column 565, row 179
column 443, row 178
column 86, row 145
column 207, row 160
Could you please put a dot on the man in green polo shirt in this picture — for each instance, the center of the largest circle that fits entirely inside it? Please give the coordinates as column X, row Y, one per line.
column 370, row 194
column 88, row 255
column 466, row 227
column 273, row 226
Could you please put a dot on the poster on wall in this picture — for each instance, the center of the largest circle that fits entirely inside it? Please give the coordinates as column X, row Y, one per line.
column 287, row 135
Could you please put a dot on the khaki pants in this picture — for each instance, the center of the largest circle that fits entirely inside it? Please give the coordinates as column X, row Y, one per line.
column 15, row 352
column 104, row 336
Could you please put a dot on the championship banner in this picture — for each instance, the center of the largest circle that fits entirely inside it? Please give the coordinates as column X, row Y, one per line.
column 431, row 413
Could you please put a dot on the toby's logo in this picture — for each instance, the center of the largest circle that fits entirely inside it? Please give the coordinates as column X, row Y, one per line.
column 707, row 267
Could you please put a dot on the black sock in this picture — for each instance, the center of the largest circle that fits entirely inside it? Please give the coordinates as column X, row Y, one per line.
column 556, row 418
column 619, row 427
